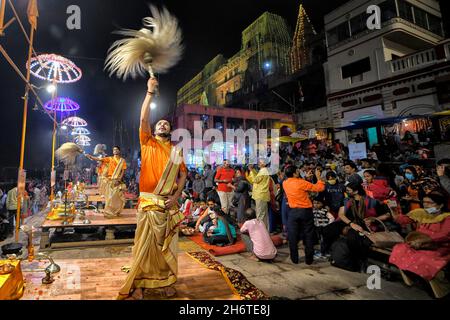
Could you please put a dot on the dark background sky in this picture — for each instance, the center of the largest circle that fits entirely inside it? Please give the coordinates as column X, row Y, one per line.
column 209, row 28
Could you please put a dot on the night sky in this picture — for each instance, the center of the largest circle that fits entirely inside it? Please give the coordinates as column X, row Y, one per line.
column 209, row 28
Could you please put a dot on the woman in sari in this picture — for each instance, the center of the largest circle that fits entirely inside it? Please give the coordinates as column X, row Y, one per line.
column 426, row 251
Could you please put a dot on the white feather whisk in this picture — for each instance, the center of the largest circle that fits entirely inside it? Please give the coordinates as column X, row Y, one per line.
column 155, row 48
column 68, row 153
column 100, row 149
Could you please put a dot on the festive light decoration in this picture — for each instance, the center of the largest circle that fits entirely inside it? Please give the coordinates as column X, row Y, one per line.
column 80, row 131
column 82, row 138
column 83, row 143
column 300, row 56
column 75, row 122
column 54, row 68
column 61, row 104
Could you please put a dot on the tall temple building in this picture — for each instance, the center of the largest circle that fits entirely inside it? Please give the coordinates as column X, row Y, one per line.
column 300, row 53
column 264, row 52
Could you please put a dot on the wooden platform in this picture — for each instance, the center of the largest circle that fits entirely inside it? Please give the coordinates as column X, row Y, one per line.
column 95, row 198
column 101, row 279
column 127, row 218
column 91, row 191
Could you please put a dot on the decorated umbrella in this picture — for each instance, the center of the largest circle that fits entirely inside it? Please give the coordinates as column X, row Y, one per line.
column 82, row 138
column 75, row 122
column 83, row 143
column 55, row 68
column 63, row 106
column 78, row 131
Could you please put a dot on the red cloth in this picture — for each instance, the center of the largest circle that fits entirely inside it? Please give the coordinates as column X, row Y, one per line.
column 225, row 174
column 425, row 263
column 379, row 189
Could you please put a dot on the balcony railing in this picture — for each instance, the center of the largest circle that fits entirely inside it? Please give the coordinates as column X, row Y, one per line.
column 413, row 61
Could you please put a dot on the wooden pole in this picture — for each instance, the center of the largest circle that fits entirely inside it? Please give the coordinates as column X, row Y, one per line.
column 24, row 131
column 52, row 192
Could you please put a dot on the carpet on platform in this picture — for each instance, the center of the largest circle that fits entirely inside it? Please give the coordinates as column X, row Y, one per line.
column 238, row 247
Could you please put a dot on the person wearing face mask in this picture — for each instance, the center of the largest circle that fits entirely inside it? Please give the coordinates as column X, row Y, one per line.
column 334, row 193
column 354, row 221
column 426, row 251
column 411, row 189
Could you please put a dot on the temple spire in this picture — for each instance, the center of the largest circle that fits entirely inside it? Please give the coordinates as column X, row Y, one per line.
column 300, row 53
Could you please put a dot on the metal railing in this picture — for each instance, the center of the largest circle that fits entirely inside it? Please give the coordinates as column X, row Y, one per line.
column 414, row 60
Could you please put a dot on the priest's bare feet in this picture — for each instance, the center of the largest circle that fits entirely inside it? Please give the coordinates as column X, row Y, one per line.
column 169, row 292
column 136, row 295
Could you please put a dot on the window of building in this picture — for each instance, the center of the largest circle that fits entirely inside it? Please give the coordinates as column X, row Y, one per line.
column 388, row 10
column 339, row 33
column 357, row 78
column 358, row 24
column 405, row 10
column 435, row 24
column 420, row 17
column 356, row 68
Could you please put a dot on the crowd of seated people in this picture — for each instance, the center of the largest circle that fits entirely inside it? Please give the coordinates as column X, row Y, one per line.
column 334, row 201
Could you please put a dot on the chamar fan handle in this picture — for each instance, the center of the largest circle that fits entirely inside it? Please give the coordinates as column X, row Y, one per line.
column 148, row 61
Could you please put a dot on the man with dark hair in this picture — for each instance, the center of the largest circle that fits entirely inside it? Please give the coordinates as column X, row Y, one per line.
column 224, row 177
column 300, row 215
column 258, row 240
column 366, row 164
column 351, row 172
column 114, row 186
column 334, row 193
column 208, row 177
column 163, row 177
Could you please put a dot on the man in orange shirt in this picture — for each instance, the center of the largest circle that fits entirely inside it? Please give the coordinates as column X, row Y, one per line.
column 114, row 186
column 163, row 176
column 300, row 213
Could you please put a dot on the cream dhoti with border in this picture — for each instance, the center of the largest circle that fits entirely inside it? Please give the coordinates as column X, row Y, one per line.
column 102, row 179
column 114, row 195
column 155, row 263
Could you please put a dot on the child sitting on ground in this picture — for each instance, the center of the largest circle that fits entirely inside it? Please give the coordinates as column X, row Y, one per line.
column 258, row 240
column 221, row 232
column 322, row 218
column 187, row 226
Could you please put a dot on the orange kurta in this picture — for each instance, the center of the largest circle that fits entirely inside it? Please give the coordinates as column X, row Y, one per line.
column 112, row 164
column 154, row 157
column 101, row 167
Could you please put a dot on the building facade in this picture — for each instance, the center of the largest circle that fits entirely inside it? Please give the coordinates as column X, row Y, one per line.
column 264, row 51
column 393, row 71
column 221, row 118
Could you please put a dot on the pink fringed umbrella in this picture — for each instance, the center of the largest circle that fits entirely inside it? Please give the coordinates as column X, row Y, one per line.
column 75, row 122
column 55, row 68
